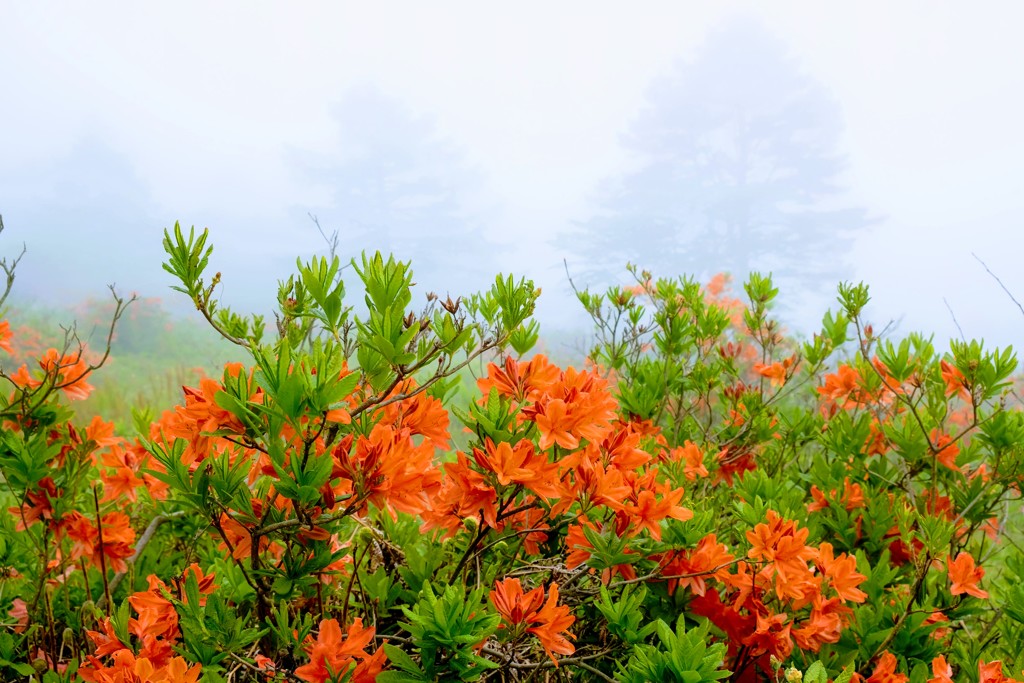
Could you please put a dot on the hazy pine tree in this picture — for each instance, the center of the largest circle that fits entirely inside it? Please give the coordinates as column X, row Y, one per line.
column 736, row 169
column 396, row 186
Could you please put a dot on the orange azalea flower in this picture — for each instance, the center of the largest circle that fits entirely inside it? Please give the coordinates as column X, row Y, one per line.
column 964, row 576
column 876, row 443
column 693, row 459
column 771, row 637
column 782, row 546
column 106, row 642
column 734, row 463
column 422, row 414
column 157, row 617
column 885, row 670
column 956, row 383
column 577, row 544
column 463, row 493
column 621, row 448
column 992, row 672
column 331, row 655
column 555, row 424
column 649, row 512
column 512, row 604
column 39, row 504
column 820, row 501
column 550, row 626
column 853, row 495
column 842, row 574
column 594, row 485
column 776, row 373
column 547, row 622
column 69, row 371
column 579, row 405
column 116, row 547
column 842, row 387
column 101, row 432
column 5, row 337
column 529, row 524
column 942, row 672
column 518, row 380
column 708, row 559
column 736, row 625
column 945, row 450
column 199, row 417
column 127, row 668
column 24, row 379
column 824, row 625
column 889, row 383
column 124, row 481
column 387, row 469
column 520, row 465
column 237, row 538
column 937, row 618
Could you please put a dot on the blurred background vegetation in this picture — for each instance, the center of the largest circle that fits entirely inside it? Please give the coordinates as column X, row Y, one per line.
column 155, row 353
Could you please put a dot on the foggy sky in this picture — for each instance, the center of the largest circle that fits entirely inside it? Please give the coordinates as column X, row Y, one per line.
column 117, row 119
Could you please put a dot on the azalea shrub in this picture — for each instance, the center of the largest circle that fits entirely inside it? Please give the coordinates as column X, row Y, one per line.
column 706, row 498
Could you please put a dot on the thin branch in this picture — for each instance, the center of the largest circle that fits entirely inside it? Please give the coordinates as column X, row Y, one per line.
column 955, row 322
column 8, row 268
column 578, row 660
column 332, row 241
column 996, row 278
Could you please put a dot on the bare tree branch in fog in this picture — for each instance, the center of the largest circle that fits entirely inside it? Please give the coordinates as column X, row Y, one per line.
column 8, row 268
column 996, row 278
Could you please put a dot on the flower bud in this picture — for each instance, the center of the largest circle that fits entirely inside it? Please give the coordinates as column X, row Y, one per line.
column 794, row 675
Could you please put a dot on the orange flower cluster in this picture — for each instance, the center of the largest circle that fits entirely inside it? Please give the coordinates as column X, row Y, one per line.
column 5, row 337
column 776, row 373
column 200, row 418
column 851, row 498
column 964, row 576
column 566, row 405
column 66, row 372
column 598, row 462
column 942, row 672
column 546, row 620
column 393, row 466
column 156, row 628
column 104, row 545
column 956, row 383
column 792, row 576
column 331, row 655
column 843, row 388
column 125, row 468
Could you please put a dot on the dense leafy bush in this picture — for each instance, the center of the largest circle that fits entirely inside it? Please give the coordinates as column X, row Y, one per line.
column 709, row 499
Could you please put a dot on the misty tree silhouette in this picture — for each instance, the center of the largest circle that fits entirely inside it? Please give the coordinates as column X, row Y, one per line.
column 737, row 171
column 92, row 202
column 396, row 186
